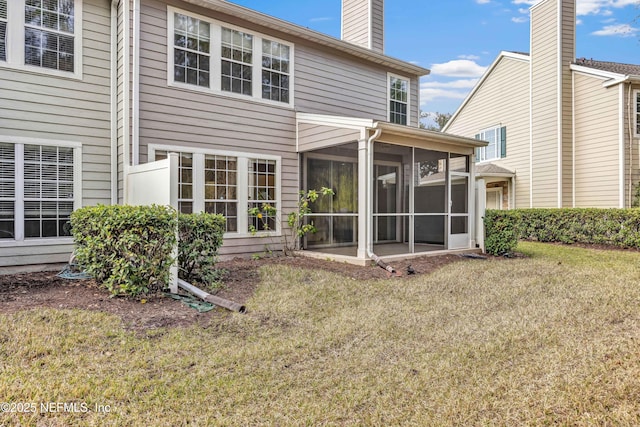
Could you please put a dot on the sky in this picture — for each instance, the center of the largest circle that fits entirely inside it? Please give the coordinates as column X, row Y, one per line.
column 459, row 39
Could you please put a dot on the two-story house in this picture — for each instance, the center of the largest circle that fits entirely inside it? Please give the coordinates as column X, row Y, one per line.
column 562, row 132
column 256, row 109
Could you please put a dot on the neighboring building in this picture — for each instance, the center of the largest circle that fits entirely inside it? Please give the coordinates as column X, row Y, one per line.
column 256, row 108
column 562, row 132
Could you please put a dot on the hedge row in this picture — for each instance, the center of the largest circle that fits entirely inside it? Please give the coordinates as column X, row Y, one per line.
column 129, row 249
column 617, row 227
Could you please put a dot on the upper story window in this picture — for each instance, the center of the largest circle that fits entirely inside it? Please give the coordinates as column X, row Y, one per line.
column 497, row 148
column 636, row 103
column 191, row 47
column 275, row 71
column 398, row 100
column 212, row 56
column 237, row 61
column 41, row 35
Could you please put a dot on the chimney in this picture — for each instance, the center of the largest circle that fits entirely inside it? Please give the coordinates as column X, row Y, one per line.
column 363, row 23
column 553, row 30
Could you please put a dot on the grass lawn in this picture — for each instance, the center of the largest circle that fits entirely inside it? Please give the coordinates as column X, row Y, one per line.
column 549, row 339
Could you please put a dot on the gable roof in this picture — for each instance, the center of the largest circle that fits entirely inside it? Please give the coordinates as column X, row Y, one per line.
column 310, row 35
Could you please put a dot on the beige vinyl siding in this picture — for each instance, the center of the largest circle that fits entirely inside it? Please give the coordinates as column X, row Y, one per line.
column 330, row 84
column 597, row 143
column 490, row 107
column 35, row 254
column 632, row 161
column 44, row 107
column 377, row 25
column 355, row 22
column 544, row 71
column 312, row 137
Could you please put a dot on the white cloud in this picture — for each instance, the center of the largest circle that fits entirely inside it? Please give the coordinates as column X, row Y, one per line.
column 458, row 68
column 589, row 7
column 620, row 30
column 519, row 19
column 321, row 19
column 454, row 84
column 469, row 57
column 429, row 94
column 483, row 1
column 456, row 89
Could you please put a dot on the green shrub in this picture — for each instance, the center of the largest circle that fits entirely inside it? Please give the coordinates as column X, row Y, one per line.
column 616, row 227
column 126, row 248
column 501, row 231
column 200, row 237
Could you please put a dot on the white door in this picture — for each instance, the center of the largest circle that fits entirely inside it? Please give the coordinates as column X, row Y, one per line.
column 494, row 198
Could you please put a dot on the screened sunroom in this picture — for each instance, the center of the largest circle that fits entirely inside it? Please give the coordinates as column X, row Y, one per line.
column 398, row 191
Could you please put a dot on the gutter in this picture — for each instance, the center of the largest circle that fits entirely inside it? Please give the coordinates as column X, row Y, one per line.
column 369, row 246
column 623, row 79
column 136, row 84
column 312, row 36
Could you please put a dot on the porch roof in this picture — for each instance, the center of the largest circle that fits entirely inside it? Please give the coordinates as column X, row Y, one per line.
column 320, row 131
column 419, row 135
column 493, row 170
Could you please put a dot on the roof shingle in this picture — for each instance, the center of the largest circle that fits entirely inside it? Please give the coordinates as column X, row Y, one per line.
column 612, row 67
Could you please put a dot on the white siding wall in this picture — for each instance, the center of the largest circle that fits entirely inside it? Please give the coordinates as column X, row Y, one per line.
column 36, row 105
column 632, row 160
column 503, row 99
column 545, row 122
column 355, row 22
column 597, row 143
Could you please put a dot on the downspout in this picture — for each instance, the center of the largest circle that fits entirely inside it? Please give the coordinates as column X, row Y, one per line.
column 126, row 97
column 630, row 125
column 390, row 270
column 136, row 83
column 114, row 102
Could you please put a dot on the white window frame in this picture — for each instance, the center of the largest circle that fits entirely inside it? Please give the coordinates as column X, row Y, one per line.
column 15, row 43
column 482, row 151
column 19, row 199
column 388, row 97
column 215, row 54
column 242, row 182
column 636, row 113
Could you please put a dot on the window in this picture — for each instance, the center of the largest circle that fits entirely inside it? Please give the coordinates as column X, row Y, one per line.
column 191, row 50
column 237, row 57
column 221, row 188
column 228, row 184
column 398, row 100
column 3, row 30
column 41, row 34
column 275, row 72
column 262, row 190
column 210, row 56
column 636, row 97
column 497, row 148
column 37, row 190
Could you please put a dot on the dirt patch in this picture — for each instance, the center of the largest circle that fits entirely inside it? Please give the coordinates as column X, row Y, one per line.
column 31, row 291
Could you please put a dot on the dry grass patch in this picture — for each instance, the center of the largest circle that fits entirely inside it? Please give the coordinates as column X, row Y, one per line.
column 554, row 338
